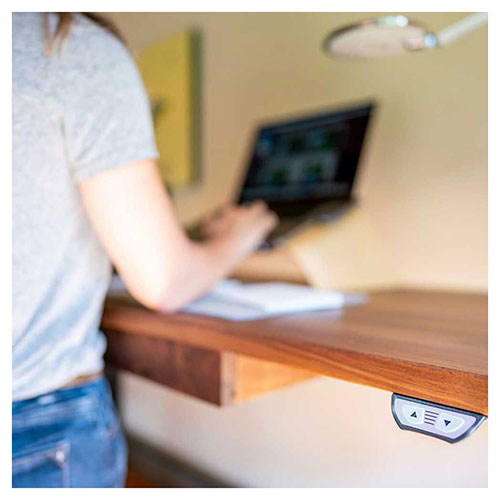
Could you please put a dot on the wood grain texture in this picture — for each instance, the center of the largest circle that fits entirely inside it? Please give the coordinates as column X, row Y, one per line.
column 430, row 345
column 201, row 373
column 254, row 377
column 217, row 377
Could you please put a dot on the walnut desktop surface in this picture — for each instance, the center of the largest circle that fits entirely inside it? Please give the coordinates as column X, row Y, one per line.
column 430, row 345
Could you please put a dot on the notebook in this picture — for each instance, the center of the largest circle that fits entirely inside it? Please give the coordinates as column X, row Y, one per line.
column 237, row 301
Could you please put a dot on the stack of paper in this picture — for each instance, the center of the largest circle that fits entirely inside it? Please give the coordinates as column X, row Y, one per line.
column 236, row 301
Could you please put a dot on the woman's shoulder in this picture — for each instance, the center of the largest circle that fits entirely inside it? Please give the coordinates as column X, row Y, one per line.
column 91, row 47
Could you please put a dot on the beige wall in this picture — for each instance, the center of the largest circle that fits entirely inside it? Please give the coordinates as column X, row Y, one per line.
column 424, row 181
column 424, row 191
column 321, row 433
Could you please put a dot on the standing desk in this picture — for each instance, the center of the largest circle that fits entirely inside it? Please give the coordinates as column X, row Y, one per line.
column 430, row 345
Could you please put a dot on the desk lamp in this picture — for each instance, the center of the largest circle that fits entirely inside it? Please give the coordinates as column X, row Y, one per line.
column 394, row 35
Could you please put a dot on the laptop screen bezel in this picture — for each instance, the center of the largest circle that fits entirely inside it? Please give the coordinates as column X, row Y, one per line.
column 368, row 107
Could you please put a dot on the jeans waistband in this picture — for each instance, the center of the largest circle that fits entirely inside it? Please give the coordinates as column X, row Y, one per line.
column 97, row 386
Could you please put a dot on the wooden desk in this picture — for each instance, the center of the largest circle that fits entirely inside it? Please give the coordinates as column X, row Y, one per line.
column 429, row 345
column 271, row 265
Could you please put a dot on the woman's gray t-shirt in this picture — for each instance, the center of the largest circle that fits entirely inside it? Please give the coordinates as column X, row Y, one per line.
column 76, row 114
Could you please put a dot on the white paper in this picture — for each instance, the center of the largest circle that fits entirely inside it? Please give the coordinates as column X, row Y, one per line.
column 277, row 297
column 210, row 305
column 236, row 301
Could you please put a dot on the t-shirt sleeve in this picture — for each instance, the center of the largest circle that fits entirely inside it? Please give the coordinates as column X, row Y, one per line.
column 106, row 115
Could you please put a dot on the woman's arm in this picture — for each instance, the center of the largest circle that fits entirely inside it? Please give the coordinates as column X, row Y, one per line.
column 135, row 221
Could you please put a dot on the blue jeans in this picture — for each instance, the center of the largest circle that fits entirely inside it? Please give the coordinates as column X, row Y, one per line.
column 68, row 438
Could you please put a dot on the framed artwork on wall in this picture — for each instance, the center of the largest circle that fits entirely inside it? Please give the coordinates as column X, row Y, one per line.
column 170, row 69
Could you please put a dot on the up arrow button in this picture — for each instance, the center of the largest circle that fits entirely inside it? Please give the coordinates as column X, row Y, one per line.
column 413, row 414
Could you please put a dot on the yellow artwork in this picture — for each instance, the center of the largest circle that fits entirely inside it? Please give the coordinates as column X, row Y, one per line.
column 169, row 71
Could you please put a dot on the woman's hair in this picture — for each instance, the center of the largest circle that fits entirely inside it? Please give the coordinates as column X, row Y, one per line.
column 63, row 28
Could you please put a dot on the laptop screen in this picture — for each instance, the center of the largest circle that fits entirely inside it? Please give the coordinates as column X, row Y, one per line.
column 312, row 159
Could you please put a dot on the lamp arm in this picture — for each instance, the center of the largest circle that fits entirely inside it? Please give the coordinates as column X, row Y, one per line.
column 462, row 27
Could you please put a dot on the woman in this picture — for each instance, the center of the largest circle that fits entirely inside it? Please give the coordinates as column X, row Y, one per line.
column 86, row 191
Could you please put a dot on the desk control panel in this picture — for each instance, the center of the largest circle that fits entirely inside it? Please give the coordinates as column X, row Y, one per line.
column 442, row 422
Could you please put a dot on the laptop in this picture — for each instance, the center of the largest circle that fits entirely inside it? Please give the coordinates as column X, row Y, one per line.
column 305, row 168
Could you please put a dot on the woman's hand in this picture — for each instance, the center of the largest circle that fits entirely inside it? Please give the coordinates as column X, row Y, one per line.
column 242, row 227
